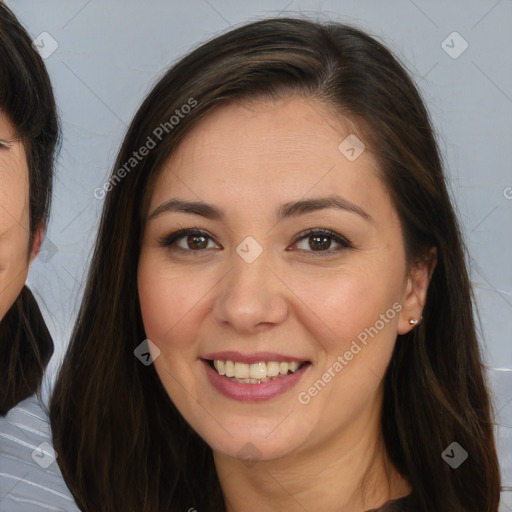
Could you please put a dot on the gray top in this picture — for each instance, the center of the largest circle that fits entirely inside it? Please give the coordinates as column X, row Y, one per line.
column 30, row 478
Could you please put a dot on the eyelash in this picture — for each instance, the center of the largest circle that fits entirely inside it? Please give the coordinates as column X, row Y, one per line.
column 343, row 242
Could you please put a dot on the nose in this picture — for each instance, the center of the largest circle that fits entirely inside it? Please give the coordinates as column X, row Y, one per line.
column 251, row 298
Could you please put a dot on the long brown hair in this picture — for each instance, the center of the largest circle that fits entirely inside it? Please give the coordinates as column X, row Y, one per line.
column 122, row 444
column 26, row 98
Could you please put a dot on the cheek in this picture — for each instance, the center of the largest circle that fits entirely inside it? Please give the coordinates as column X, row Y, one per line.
column 14, row 212
column 359, row 308
column 14, row 238
column 14, row 243
column 14, row 187
column 14, row 263
column 349, row 301
column 169, row 303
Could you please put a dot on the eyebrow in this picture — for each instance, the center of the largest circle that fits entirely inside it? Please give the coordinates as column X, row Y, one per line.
column 322, row 203
column 287, row 210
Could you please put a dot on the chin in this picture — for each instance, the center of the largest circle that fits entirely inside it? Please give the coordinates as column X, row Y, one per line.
column 257, row 439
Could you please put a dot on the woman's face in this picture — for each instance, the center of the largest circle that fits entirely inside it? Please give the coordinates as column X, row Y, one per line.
column 292, row 283
column 14, row 218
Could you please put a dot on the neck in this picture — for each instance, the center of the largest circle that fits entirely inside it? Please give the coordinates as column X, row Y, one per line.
column 350, row 473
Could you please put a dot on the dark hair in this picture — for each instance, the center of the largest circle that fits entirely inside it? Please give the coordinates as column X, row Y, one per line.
column 26, row 99
column 111, row 417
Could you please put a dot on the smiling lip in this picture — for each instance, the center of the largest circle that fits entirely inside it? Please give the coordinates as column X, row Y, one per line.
column 252, row 392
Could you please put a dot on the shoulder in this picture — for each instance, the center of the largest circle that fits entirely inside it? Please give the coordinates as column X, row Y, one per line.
column 30, row 479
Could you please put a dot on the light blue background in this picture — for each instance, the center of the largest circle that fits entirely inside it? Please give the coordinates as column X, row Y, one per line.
column 111, row 52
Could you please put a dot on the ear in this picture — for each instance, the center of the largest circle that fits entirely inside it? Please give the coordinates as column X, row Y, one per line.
column 38, row 241
column 415, row 293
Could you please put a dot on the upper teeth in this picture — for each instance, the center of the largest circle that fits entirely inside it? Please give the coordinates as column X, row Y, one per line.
column 261, row 370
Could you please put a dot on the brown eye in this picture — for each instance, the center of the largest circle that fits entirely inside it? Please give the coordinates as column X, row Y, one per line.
column 196, row 242
column 319, row 243
column 322, row 241
column 189, row 240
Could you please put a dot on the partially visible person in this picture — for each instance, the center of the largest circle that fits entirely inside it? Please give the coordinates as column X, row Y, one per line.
column 30, row 479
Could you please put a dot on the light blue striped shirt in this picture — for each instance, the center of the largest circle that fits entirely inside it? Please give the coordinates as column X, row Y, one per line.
column 30, row 478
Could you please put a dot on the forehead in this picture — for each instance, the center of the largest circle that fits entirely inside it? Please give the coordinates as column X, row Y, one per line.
column 271, row 151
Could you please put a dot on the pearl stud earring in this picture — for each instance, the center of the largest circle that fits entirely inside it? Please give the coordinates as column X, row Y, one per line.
column 413, row 321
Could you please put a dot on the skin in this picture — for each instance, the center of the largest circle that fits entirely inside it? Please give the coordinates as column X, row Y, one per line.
column 15, row 253
column 248, row 160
